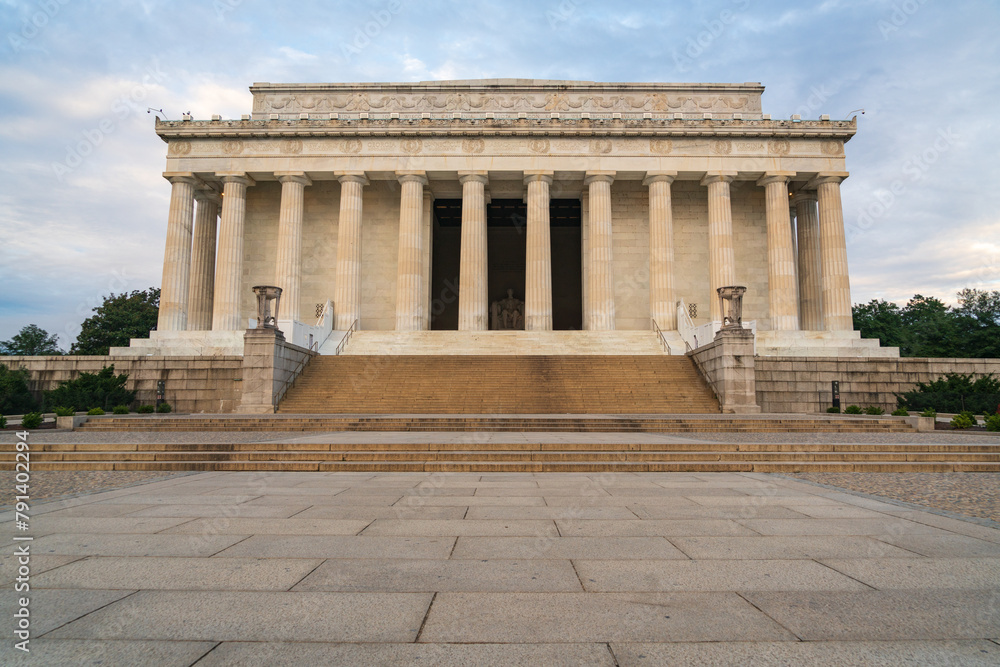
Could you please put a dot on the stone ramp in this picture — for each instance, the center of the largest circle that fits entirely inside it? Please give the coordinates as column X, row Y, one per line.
column 500, row 384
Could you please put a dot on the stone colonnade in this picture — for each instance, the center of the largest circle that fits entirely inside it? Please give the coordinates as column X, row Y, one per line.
column 808, row 283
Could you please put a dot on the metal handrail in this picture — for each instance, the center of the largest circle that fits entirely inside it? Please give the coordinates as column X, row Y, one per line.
column 663, row 339
column 343, row 341
column 286, row 385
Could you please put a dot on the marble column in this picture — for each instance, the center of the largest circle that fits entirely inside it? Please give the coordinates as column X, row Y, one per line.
column 810, row 271
column 473, row 307
column 288, row 274
column 662, row 298
column 347, row 289
column 229, row 263
column 410, row 302
column 203, row 261
column 837, row 314
column 781, row 288
column 427, row 224
column 538, row 259
column 585, row 256
column 601, row 275
column 721, row 258
column 177, row 254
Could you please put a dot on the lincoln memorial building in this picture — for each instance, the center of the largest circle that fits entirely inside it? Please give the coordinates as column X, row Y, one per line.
column 506, row 215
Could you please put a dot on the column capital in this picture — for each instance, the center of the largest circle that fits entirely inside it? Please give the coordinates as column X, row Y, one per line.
column 240, row 177
column 208, row 195
column 537, row 175
column 835, row 177
column 805, row 196
column 719, row 177
column 352, row 177
column 183, row 177
column 293, row 177
column 412, row 177
column 659, row 177
column 473, row 176
column 775, row 177
column 599, row 177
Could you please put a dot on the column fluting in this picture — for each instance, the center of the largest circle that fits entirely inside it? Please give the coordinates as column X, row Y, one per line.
column 662, row 298
column 837, row 314
column 177, row 254
column 202, row 285
column 288, row 273
column 782, row 301
column 538, row 260
column 410, row 303
column 347, row 289
column 721, row 258
column 229, row 262
column 473, row 307
column 810, row 262
column 601, row 276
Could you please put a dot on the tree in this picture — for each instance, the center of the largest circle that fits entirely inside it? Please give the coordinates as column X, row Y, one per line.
column 880, row 319
column 930, row 329
column 31, row 341
column 978, row 322
column 118, row 319
column 103, row 389
column 15, row 397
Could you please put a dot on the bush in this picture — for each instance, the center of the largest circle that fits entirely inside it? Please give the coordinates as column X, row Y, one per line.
column 64, row 412
column 874, row 410
column 120, row 410
column 15, row 397
column 31, row 420
column 993, row 422
column 145, row 409
column 954, row 392
column 900, row 412
column 928, row 413
column 852, row 410
column 164, row 408
column 95, row 412
column 3, row 422
column 963, row 420
column 102, row 389
column 833, row 409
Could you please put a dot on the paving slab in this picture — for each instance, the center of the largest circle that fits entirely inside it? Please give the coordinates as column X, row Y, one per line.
column 990, row 533
column 240, row 654
column 51, row 609
column 473, row 501
column 877, row 527
column 242, row 526
column 945, row 546
column 620, row 548
column 154, row 573
column 664, row 527
column 464, row 527
column 124, row 524
column 180, row 499
column 255, row 616
column 99, row 510
column 922, row 573
column 814, row 654
column 370, row 513
column 37, row 563
column 565, row 513
column 620, row 501
column 644, row 511
column 597, row 617
column 87, row 653
column 883, row 615
column 840, row 511
column 410, row 575
column 711, row 575
column 335, row 546
column 234, row 511
column 112, row 544
column 363, row 501
column 788, row 547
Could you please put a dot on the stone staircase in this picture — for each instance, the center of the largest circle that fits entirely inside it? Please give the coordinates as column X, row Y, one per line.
column 500, row 384
column 523, row 343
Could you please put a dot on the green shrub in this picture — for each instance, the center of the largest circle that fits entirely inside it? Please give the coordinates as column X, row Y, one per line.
column 95, row 412
column 15, row 397
column 64, row 412
column 954, row 392
column 963, row 420
column 164, row 408
column 3, row 422
column 833, row 409
column 928, row 413
column 993, row 422
column 900, row 412
column 120, row 410
column 31, row 420
column 145, row 409
column 102, row 389
column 874, row 410
column 852, row 410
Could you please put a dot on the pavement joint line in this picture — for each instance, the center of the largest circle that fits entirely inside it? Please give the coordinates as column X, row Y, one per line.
column 612, row 652
column 986, row 523
column 583, row 586
column 103, row 606
column 773, row 620
column 229, row 547
column 843, row 574
column 204, row 655
column 424, row 621
column 303, row 578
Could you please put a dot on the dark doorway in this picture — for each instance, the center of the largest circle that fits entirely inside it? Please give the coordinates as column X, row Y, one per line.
column 506, row 240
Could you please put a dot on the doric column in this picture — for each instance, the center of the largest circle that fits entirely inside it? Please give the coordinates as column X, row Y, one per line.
column 600, row 273
column 427, row 224
column 177, row 254
column 837, row 314
column 347, row 290
column 538, row 260
column 810, row 271
column 721, row 258
column 781, row 290
column 662, row 301
column 288, row 275
column 410, row 303
column 585, row 256
column 229, row 263
column 473, row 308
column 203, row 261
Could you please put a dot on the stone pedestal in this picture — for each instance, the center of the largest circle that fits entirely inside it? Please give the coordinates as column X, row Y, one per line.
column 727, row 364
column 270, row 365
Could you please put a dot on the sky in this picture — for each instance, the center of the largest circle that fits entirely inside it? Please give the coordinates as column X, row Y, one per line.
column 83, row 205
